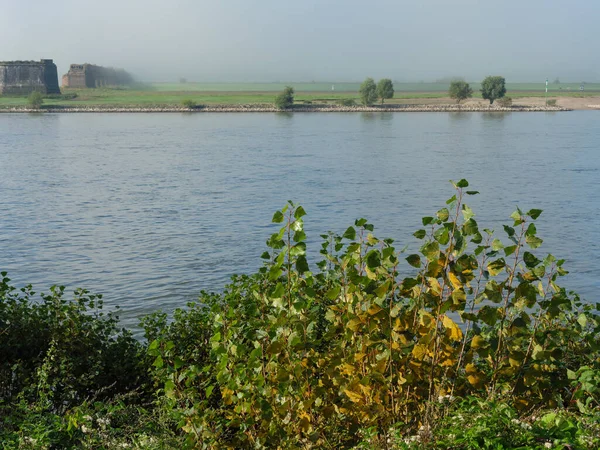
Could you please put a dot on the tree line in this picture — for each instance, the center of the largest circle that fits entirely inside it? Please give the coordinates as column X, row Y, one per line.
column 492, row 88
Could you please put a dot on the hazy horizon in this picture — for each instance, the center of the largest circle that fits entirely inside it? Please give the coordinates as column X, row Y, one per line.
column 331, row 40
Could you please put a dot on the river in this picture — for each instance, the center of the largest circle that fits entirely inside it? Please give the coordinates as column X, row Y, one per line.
column 149, row 209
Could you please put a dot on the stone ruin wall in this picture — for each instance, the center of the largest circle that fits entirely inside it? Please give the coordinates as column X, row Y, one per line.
column 92, row 76
column 25, row 77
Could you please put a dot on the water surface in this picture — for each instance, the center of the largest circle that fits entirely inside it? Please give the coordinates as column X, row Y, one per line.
column 149, row 209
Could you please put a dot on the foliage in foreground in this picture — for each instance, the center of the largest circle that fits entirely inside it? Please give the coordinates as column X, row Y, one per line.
column 479, row 348
column 312, row 359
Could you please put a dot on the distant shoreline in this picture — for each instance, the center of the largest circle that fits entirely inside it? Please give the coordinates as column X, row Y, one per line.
column 298, row 108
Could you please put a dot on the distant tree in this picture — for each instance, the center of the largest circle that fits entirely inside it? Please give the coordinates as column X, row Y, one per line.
column 285, row 99
column 183, row 80
column 385, row 89
column 556, row 80
column 368, row 92
column 189, row 103
column 493, row 88
column 35, row 100
column 460, row 90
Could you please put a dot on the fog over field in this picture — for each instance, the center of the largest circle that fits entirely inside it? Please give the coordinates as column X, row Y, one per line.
column 303, row 40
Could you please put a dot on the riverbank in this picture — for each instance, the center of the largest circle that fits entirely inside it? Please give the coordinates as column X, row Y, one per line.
column 297, row 108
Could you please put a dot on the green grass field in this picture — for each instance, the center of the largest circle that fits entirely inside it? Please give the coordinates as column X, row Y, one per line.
column 172, row 94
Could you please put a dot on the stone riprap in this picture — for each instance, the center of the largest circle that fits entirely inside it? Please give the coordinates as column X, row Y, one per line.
column 298, row 108
column 25, row 77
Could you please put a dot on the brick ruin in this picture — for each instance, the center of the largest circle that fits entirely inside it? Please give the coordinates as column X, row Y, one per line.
column 92, row 76
column 25, row 77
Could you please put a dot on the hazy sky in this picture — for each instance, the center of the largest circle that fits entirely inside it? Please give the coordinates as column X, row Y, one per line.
column 303, row 40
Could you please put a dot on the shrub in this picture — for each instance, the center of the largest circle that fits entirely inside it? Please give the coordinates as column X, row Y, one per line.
column 551, row 102
column 189, row 103
column 505, row 102
column 285, row 99
column 58, row 352
column 35, row 100
column 294, row 357
column 347, row 102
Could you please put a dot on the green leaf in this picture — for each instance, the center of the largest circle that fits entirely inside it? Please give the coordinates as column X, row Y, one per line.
column 497, row 245
column 534, row 213
column 299, row 236
column 170, row 389
column 427, row 220
column 350, row 234
column 265, row 255
column 333, row 293
column 298, row 249
column 488, row 315
column 277, row 217
column 472, row 192
column 441, row 235
column 373, row 260
column 299, row 212
column 431, row 250
column 497, row 266
column 360, row 222
column 509, row 231
column 462, row 183
column 530, row 260
column 158, row 362
column 419, row 234
column 582, row 320
column 467, row 212
column 533, row 241
column 509, row 250
column 443, row 214
column 302, row 264
column 414, row 260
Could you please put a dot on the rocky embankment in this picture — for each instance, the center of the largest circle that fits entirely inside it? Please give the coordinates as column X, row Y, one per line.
column 296, row 108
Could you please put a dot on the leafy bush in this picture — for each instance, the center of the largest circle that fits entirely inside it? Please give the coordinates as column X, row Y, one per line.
column 347, row 102
column 58, row 352
column 189, row 103
column 478, row 348
column 505, row 102
column 285, row 99
column 35, row 100
column 322, row 359
column 551, row 102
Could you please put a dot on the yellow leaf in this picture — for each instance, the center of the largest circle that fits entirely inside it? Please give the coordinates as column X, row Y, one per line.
column 353, row 396
column 454, row 280
column 374, row 309
column 453, row 331
column 354, row 324
column 359, row 356
column 475, row 377
column 434, row 285
column 419, row 351
column 478, row 342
